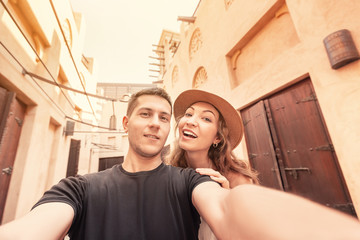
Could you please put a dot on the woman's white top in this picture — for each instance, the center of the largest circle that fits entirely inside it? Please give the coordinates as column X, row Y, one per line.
column 205, row 232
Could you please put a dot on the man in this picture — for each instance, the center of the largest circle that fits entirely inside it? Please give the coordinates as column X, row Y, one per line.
column 145, row 199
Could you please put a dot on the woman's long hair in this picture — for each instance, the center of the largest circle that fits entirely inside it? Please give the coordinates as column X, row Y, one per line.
column 221, row 156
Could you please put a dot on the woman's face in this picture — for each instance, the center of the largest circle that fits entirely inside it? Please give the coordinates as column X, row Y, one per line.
column 198, row 127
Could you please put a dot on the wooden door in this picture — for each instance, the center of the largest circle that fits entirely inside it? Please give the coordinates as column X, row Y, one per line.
column 105, row 163
column 306, row 163
column 12, row 113
column 260, row 145
column 73, row 161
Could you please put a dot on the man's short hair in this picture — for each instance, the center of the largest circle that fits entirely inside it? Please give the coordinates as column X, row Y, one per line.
column 148, row 91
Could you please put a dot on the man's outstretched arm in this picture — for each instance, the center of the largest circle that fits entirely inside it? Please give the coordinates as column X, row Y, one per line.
column 255, row 212
column 49, row 221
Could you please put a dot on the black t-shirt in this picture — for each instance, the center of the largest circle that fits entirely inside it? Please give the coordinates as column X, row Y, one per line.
column 115, row 204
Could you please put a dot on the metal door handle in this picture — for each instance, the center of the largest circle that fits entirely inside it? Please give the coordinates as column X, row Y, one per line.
column 293, row 171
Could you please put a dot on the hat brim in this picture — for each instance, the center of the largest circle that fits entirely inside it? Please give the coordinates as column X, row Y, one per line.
column 231, row 116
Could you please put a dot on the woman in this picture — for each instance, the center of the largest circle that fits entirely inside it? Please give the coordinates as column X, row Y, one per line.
column 209, row 129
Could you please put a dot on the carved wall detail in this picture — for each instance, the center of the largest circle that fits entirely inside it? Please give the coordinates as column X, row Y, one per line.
column 228, row 3
column 200, row 77
column 175, row 75
column 195, row 43
column 67, row 32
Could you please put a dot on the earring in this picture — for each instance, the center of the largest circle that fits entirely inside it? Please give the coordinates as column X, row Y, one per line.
column 215, row 145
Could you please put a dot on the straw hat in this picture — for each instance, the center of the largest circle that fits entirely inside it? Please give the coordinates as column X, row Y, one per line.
column 230, row 115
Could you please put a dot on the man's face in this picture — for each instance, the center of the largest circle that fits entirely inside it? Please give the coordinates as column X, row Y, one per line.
column 148, row 125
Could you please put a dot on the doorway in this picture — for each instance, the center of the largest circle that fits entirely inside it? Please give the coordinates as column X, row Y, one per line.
column 288, row 144
column 73, row 160
column 105, row 163
column 12, row 114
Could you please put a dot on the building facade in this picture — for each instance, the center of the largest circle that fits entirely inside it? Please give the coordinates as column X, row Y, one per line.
column 47, row 112
column 291, row 69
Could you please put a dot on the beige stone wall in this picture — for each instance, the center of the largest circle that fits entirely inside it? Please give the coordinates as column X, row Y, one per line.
column 56, row 35
column 246, row 50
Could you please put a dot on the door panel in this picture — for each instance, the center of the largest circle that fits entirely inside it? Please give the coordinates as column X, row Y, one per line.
column 309, row 160
column 73, row 161
column 260, row 146
column 306, row 161
column 11, row 120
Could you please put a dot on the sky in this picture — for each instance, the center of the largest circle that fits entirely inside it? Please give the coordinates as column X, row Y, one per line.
column 120, row 34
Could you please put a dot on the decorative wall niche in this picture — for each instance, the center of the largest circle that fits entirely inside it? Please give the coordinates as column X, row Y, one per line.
column 175, row 75
column 200, row 77
column 67, row 32
column 195, row 43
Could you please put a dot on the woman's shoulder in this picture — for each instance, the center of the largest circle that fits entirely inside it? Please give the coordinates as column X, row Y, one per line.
column 236, row 179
